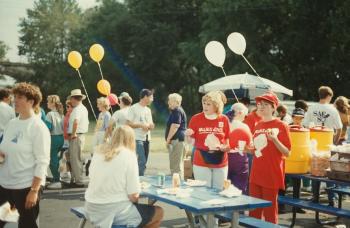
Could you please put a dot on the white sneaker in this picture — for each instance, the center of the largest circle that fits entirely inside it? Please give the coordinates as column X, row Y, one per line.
column 66, row 177
column 55, row 185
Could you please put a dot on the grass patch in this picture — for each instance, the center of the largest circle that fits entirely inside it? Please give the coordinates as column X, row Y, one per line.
column 157, row 144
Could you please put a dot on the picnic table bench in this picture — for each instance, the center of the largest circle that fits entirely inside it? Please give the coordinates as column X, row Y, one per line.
column 248, row 221
column 314, row 205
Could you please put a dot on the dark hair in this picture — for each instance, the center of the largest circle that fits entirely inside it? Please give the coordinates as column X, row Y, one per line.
column 127, row 100
column 324, row 92
column 31, row 92
column 245, row 101
column 301, row 104
column 281, row 108
column 4, row 93
column 146, row 93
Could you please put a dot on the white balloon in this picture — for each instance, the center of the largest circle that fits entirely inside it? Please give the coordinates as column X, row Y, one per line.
column 236, row 42
column 215, row 53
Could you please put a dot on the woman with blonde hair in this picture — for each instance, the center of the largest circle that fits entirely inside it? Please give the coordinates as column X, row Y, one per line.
column 102, row 121
column 114, row 187
column 210, row 130
column 342, row 105
column 55, row 124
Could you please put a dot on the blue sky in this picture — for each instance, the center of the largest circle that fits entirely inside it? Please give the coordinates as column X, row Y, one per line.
column 10, row 13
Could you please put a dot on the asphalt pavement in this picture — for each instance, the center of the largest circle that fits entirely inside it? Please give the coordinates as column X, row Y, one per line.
column 55, row 205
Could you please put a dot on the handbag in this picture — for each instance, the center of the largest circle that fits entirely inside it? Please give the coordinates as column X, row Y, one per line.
column 213, row 157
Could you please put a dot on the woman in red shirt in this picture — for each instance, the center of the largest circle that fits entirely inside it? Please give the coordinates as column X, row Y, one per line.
column 210, row 130
column 271, row 145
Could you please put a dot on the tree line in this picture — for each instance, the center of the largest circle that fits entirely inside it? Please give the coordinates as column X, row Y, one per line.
column 160, row 44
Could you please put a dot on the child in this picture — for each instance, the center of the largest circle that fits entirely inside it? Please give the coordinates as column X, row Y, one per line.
column 55, row 120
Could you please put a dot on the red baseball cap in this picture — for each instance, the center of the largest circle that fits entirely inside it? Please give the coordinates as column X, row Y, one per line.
column 270, row 97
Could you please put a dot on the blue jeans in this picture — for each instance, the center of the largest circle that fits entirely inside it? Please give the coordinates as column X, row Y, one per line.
column 141, row 148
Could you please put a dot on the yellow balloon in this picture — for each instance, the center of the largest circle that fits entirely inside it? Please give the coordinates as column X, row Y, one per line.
column 75, row 59
column 96, row 52
column 104, row 87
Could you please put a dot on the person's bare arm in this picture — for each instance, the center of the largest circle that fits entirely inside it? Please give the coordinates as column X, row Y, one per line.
column 336, row 137
column 32, row 196
column 134, row 197
column 282, row 148
column 109, row 129
column 74, row 129
column 172, row 132
column 136, row 125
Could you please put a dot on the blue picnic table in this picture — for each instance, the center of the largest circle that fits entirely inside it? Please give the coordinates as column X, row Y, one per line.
column 315, row 204
column 196, row 203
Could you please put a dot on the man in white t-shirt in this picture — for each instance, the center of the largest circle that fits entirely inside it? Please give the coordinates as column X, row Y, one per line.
column 140, row 119
column 77, row 127
column 6, row 111
column 324, row 114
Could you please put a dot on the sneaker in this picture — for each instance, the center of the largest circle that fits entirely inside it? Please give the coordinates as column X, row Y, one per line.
column 55, row 185
column 66, row 177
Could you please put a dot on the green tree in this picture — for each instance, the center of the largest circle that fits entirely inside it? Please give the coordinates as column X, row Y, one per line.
column 3, row 50
column 46, row 34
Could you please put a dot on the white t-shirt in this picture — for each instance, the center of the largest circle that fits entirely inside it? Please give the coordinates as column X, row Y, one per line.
column 140, row 114
column 120, row 117
column 323, row 114
column 6, row 114
column 112, row 181
column 81, row 114
column 56, row 120
column 26, row 145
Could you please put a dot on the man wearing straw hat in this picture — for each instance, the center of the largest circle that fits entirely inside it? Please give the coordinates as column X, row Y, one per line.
column 77, row 127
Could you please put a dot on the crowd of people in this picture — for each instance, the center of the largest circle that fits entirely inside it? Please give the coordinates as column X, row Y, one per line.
column 246, row 147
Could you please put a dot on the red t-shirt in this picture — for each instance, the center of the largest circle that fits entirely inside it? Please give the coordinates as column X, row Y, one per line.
column 65, row 125
column 202, row 127
column 252, row 120
column 268, row 170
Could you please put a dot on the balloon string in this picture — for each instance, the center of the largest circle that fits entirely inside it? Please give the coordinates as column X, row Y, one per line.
column 87, row 95
column 99, row 67
column 250, row 65
column 234, row 94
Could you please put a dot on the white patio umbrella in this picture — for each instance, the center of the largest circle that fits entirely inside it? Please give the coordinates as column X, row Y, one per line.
column 255, row 84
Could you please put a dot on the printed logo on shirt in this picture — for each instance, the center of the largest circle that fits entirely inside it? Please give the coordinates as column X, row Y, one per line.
column 321, row 116
column 208, row 130
column 267, row 130
column 221, row 124
column 17, row 137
